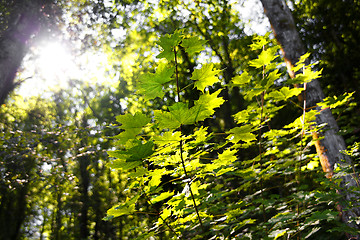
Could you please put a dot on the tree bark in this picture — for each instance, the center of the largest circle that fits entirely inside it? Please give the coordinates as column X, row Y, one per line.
column 331, row 146
column 24, row 23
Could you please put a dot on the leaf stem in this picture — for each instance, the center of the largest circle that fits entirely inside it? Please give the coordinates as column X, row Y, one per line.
column 181, row 143
column 158, row 213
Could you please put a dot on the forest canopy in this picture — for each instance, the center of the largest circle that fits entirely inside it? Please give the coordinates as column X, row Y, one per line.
column 179, row 119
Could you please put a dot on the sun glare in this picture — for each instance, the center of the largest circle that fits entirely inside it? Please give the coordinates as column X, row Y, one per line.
column 55, row 61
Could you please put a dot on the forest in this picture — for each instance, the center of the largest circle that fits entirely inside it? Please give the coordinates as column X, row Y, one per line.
column 179, row 119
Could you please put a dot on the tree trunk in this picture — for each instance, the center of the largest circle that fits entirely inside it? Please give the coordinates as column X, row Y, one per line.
column 24, row 23
column 330, row 147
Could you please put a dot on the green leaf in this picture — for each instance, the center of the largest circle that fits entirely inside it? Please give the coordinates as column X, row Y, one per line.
column 270, row 79
column 156, row 177
column 178, row 114
column 167, row 138
column 242, row 133
column 300, row 64
column 205, row 76
column 164, row 215
column 135, row 153
column 259, row 42
column 242, row 79
column 265, row 58
column 161, row 197
column 334, row 102
column 205, row 105
column 124, row 165
column 284, row 93
column 132, row 124
column 200, row 135
column 151, row 84
column 123, row 209
column 168, row 43
column 193, row 45
column 278, row 233
column 227, row 157
column 327, row 215
column 306, row 76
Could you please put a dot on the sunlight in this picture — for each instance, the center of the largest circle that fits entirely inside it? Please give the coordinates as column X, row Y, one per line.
column 55, row 62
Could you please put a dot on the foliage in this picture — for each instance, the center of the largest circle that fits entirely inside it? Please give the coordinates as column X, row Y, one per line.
column 212, row 143
column 201, row 187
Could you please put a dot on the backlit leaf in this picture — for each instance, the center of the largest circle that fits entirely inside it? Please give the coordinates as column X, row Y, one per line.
column 193, row 45
column 161, row 197
column 177, row 115
column 123, row 209
column 168, row 43
column 242, row 133
column 284, row 93
column 265, row 58
column 132, row 124
column 242, row 79
column 205, row 105
column 205, row 76
column 151, row 84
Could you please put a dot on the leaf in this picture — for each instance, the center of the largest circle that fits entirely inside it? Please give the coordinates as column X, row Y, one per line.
column 242, row 133
column 135, row 153
column 264, row 58
column 168, row 43
column 327, row 215
column 242, row 116
column 270, row 79
column 164, row 215
column 205, row 76
column 132, row 124
column 156, row 177
column 151, row 84
column 193, row 45
column 242, row 79
column 123, row 209
column 178, row 114
column 161, row 197
column 311, row 165
column 200, row 135
column 205, row 105
column 335, row 101
column 300, row 64
column 227, row 157
column 258, row 42
column 124, row 165
column 306, row 76
column 167, row 138
column 278, row 233
column 284, row 93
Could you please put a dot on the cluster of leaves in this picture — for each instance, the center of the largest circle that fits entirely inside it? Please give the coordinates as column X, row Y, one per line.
column 198, row 186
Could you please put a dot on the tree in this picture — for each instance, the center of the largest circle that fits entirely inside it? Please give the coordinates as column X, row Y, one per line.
column 332, row 145
column 23, row 20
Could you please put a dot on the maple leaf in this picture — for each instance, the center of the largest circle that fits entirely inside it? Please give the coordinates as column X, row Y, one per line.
column 151, row 84
column 285, row 93
column 168, row 43
column 205, row 76
column 178, row 114
column 244, row 78
column 242, row 133
column 135, row 153
column 193, row 45
column 265, row 58
column 132, row 124
column 122, row 209
column 205, row 105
